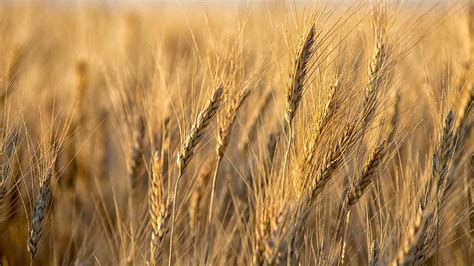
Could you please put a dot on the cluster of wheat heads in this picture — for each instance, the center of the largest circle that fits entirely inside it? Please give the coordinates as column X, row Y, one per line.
column 293, row 134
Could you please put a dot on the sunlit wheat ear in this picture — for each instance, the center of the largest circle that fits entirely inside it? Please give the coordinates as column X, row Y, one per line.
column 223, row 136
column 367, row 176
column 134, row 161
column 187, row 148
column 443, row 153
column 296, row 79
column 330, row 163
column 315, row 179
column 413, row 249
column 197, row 130
column 41, row 208
column 158, row 208
column 376, row 75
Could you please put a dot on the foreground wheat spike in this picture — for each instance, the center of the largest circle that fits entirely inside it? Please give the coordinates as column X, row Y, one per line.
column 296, row 80
column 223, row 136
column 197, row 130
column 39, row 214
column 422, row 234
column 138, row 137
column 352, row 195
column 330, row 162
column 376, row 75
column 315, row 180
column 187, row 148
column 224, row 133
column 440, row 171
column 443, row 154
column 159, row 210
column 367, row 176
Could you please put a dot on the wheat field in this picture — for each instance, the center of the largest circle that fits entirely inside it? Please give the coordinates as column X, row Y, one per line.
column 237, row 133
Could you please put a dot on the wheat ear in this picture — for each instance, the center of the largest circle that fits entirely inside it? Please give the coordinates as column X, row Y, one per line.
column 443, row 154
column 376, row 75
column 43, row 201
column 367, row 176
column 296, row 80
column 158, row 208
column 197, row 130
column 187, row 148
column 374, row 253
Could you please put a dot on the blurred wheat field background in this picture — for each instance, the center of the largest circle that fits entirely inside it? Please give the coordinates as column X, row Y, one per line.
column 280, row 133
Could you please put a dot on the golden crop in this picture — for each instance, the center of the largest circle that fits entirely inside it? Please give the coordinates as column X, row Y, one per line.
column 321, row 133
